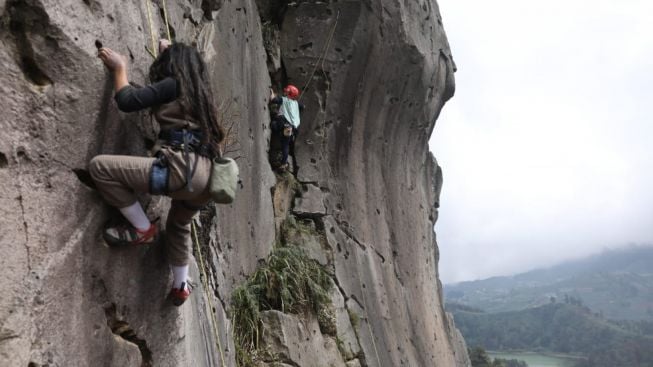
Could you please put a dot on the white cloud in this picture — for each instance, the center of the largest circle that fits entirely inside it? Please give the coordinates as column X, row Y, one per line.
column 546, row 146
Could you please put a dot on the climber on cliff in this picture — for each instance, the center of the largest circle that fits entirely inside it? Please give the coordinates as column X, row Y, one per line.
column 285, row 124
column 181, row 99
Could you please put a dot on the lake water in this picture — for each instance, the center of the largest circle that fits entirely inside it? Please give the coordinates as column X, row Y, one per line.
column 536, row 360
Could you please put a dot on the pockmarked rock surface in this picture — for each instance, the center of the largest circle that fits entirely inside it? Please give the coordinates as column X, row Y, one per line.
column 64, row 291
column 377, row 75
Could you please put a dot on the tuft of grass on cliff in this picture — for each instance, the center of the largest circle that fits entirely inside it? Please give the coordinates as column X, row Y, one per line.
column 289, row 282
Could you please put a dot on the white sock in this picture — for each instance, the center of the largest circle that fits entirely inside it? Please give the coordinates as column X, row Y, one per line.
column 136, row 216
column 180, row 275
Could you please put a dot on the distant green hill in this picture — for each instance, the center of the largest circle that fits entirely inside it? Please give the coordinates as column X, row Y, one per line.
column 617, row 284
column 560, row 328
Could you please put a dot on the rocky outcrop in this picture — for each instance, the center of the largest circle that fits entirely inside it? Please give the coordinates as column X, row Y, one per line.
column 58, row 113
column 369, row 186
column 376, row 89
column 299, row 342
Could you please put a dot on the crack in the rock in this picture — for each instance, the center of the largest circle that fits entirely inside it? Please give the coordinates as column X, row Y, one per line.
column 290, row 362
column 25, row 228
column 345, row 227
column 360, row 304
column 341, row 290
column 274, row 210
column 379, row 255
column 361, row 354
column 314, row 183
column 352, row 296
column 216, row 293
column 394, row 264
column 204, row 233
column 5, row 337
column 124, row 330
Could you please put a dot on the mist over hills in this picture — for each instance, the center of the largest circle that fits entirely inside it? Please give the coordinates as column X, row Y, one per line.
column 617, row 284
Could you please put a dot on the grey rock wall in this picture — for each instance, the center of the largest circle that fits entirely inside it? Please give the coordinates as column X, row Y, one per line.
column 64, row 291
column 376, row 89
column 371, row 186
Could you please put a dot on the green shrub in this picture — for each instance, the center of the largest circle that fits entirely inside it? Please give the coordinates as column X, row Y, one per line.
column 289, row 282
column 293, row 229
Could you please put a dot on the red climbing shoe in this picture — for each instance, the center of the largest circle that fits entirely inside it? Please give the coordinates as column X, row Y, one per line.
column 126, row 235
column 180, row 295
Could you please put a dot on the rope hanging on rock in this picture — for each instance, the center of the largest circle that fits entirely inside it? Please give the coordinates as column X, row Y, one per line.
column 148, row 5
column 153, row 51
column 320, row 60
column 165, row 17
column 205, row 285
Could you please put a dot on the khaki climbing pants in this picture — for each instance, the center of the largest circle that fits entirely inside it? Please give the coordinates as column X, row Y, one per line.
column 119, row 178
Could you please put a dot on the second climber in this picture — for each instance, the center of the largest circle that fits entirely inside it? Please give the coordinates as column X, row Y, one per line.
column 285, row 124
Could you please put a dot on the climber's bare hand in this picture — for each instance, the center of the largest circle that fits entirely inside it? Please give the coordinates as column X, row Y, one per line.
column 113, row 60
column 163, row 44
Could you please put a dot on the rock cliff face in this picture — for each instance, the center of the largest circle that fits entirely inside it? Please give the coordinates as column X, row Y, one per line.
column 379, row 73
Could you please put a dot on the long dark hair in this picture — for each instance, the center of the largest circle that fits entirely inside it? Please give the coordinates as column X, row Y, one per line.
column 185, row 65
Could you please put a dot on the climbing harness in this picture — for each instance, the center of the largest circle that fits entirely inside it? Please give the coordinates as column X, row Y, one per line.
column 186, row 146
column 148, row 5
column 205, row 285
column 287, row 130
column 183, row 140
column 321, row 59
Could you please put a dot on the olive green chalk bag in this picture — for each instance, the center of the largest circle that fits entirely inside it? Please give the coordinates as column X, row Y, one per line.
column 224, row 180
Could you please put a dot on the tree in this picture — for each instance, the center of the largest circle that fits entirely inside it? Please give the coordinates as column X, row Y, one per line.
column 499, row 362
column 479, row 357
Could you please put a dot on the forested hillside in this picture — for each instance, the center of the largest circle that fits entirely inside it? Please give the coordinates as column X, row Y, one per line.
column 560, row 327
column 618, row 284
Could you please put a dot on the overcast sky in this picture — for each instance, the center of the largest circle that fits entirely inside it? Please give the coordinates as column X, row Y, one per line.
column 547, row 146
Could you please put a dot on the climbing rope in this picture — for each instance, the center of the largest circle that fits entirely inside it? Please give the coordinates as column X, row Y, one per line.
column 321, row 59
column 153, row 51
column 148, row 6
column 165, row 16
column 205, row 284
